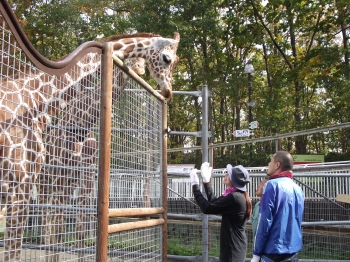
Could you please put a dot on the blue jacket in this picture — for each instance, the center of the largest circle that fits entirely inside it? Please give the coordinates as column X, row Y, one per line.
column 280, row 217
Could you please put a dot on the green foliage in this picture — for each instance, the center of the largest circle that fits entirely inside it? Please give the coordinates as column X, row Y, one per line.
column 56, row 28
column 299, row 49
column 309, row 251
column 176, row 246
column 334, row 157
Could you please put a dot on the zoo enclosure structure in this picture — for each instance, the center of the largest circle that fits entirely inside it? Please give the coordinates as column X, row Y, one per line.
column 83, row 133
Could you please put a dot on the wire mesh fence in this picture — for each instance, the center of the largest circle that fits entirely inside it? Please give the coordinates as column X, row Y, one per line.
column 50, row 156
column 135, row 173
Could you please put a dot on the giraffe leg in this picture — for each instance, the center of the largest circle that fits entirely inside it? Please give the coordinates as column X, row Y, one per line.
column 80, row 234
column 17, row 215
column 50, row 237
column 81, row 218
column 53, row 231
column 56, row 235
column 60, row 198
column 52, row 220
column 86, row 185
column 19, row 168
column 45, row 199
column 2, row 210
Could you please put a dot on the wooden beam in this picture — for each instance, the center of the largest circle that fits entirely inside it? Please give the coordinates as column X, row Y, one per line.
column 104, row 153
column 127, row 212
column 134, row 225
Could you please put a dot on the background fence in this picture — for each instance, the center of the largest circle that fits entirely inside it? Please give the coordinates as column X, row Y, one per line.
column 326, row 222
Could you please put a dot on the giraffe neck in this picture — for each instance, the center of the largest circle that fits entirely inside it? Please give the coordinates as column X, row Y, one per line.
column 84, row 110
column 127, row 48
column 42, row 96
column 39, row 97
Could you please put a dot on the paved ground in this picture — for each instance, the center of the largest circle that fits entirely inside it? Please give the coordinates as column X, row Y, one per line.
column 31, row 255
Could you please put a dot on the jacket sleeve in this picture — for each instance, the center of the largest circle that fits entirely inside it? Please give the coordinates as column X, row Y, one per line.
column 209, row 191
column 265, row 219
column 216, row 206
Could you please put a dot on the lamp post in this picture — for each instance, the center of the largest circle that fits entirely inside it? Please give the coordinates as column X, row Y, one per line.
column 249, row 69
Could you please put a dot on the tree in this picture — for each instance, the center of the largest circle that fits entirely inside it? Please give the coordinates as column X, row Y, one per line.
column 56, row 28
column 300, row 52
column 299, row 37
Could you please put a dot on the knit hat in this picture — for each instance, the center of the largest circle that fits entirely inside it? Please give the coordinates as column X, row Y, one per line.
column 239, row 176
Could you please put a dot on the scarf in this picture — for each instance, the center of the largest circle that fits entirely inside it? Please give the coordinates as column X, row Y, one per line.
column 288, row 174
column 229, row 190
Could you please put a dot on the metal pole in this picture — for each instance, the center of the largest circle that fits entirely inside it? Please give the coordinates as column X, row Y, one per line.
column 205, row 126
column 250, row 117
column 164, row 181
column 277, row 146
column 205, row 158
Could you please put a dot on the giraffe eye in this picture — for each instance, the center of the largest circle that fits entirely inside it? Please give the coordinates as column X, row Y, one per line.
column 166, row 58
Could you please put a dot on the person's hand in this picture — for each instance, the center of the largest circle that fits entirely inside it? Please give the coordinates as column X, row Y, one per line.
column 206, row 172
column 193, row 177
column 255, row 258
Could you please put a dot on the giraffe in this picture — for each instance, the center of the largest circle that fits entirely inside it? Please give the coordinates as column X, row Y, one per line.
column 73, row 149
column 28, row 103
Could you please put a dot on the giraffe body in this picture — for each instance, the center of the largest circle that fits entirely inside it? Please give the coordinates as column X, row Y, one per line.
column 27, row 105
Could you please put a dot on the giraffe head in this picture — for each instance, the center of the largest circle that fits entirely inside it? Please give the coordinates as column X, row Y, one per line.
column 161, row 61
column 159, row 54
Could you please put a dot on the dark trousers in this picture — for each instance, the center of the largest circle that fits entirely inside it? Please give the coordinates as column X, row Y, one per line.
column 279, row 258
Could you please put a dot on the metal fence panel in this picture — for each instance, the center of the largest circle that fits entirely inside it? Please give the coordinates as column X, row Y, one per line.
column 326, row 222
column 135, row 172
column 50, row 154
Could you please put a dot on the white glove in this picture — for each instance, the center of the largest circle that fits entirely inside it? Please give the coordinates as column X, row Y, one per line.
column 206, row 172
column 255, row 258
column 193, row 177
